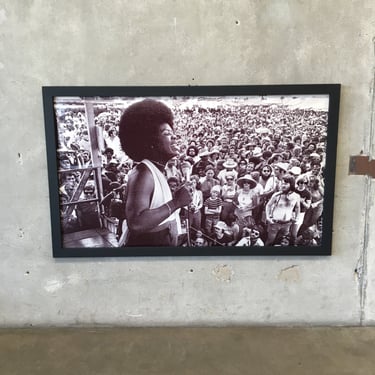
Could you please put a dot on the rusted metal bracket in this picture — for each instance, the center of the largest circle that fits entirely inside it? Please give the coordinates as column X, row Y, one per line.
column 362, row 165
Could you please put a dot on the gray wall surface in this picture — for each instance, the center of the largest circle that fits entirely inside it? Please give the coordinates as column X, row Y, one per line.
column 175, row 42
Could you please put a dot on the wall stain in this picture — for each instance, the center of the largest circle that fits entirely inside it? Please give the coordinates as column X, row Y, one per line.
column 130, row 315
column 223, row 272
column 290, row 274
column 52, row 286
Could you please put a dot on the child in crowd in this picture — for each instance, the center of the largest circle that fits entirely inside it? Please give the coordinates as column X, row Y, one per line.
column 212, row 209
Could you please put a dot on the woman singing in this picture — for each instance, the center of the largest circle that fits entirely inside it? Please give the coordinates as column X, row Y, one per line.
column 147, row 137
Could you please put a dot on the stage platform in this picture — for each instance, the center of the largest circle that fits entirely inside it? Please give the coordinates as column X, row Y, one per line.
column 100, row 237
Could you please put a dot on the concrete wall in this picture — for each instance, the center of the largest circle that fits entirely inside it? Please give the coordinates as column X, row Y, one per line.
column 175, row 42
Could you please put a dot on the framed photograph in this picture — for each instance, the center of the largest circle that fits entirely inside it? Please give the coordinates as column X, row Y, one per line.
column 191, row 171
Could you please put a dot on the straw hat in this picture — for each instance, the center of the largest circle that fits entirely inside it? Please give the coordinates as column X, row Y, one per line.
column 204, row 153
column 295, row 171
column 221, row 225
column 229, row 163
column 283, row 166
column 247, row 178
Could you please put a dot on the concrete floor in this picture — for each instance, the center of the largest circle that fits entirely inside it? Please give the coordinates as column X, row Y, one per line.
column 259, row 351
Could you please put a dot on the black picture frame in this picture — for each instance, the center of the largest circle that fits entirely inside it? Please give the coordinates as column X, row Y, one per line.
column 246, row 96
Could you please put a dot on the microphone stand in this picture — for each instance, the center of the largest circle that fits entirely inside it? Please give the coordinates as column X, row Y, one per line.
column 188, row 214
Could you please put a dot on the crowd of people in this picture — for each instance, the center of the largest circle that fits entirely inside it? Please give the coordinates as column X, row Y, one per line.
column 255, row 173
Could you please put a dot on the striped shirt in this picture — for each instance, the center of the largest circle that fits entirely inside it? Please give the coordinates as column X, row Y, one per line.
column 213, row 204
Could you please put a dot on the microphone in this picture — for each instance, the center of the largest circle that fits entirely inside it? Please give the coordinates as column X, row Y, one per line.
column 187, row 174
column 186, row 170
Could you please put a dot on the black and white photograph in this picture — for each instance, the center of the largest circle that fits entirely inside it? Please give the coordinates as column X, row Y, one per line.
column 229, row 170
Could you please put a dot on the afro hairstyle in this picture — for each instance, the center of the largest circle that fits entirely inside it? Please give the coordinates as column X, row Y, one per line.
column 139, row 125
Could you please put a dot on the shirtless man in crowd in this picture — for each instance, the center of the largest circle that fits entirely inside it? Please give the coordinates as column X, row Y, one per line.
column 282, row 210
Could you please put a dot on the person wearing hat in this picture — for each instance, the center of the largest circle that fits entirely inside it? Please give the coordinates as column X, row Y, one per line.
column 242, row 154
column 246, row 200
column 229, row 165
column 228, row 192
column 276, row 158
column 208, row 181
column 282, row 210
column 221, row 237
column 250, row 147
column 256, row 155
column 200, row 166
column 305, row 203
column 295, row 171
column 171, row 170
column 214, row 157
column 279, row 170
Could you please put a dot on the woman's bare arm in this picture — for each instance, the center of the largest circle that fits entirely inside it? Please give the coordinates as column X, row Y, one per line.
column 140, row 190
